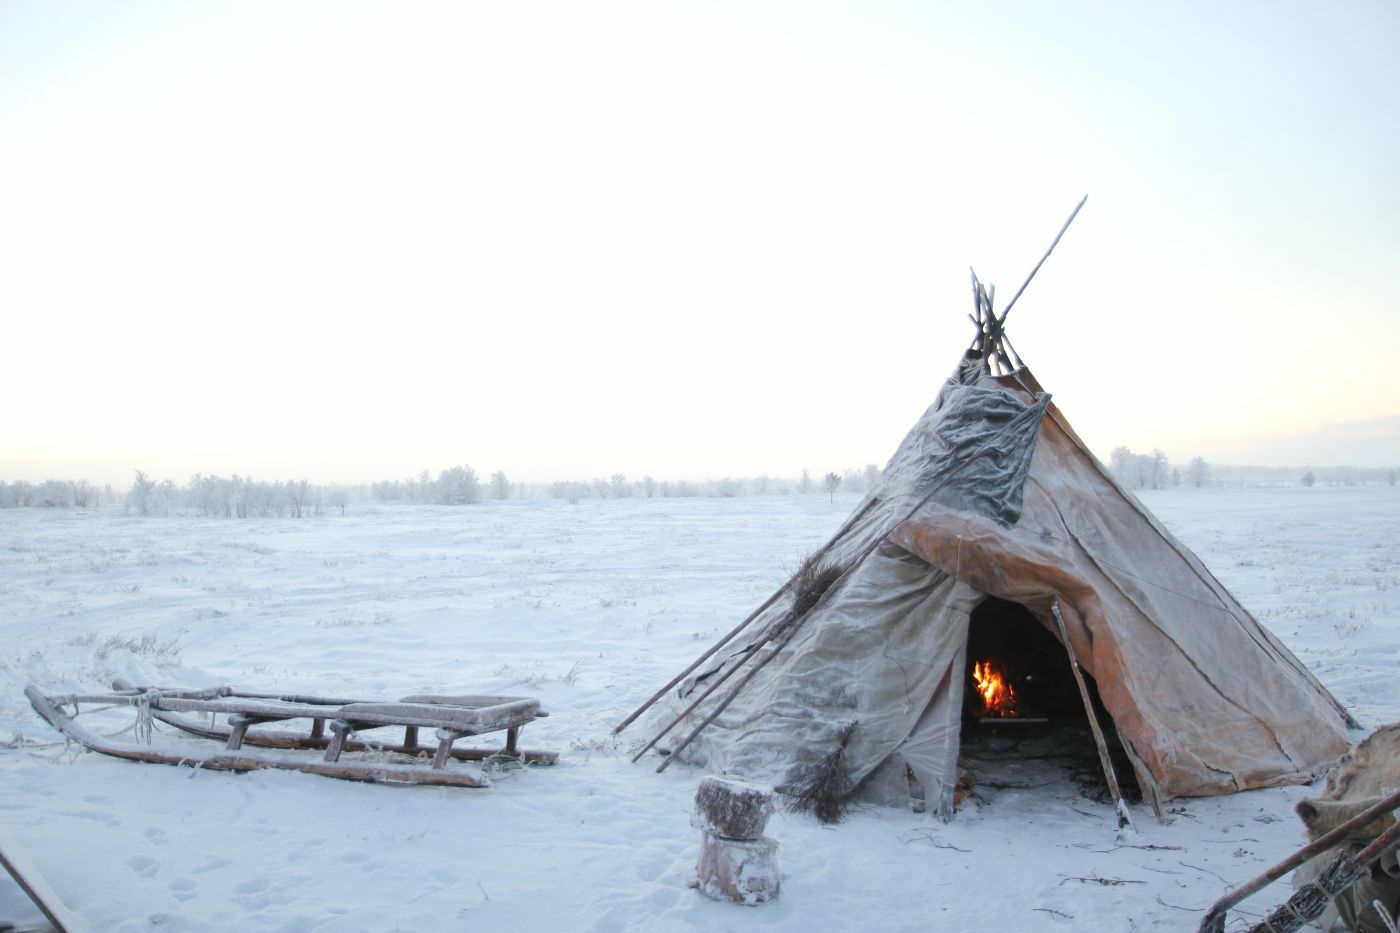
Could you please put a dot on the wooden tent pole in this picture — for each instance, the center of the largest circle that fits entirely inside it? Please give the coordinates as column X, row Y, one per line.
column 700, row 660
column 1002, row 320
column 729, row 698
column 718, row 682
column 845, row 527
column 1123, row 819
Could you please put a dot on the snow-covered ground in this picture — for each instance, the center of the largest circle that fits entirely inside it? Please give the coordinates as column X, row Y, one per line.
column 589, row 607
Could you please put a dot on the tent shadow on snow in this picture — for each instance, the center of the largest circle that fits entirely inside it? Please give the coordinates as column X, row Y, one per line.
column 992, row 496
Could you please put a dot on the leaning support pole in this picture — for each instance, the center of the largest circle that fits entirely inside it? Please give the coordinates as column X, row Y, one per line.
column 1124, row 821
column 679, row 717
column 734, row 632
column 728, row 698
column 729, row 636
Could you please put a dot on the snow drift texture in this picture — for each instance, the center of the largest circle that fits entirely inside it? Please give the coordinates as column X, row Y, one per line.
column 993, row 494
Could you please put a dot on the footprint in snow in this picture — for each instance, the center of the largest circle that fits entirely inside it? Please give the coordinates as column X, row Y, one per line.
column 143, row 865
column 212, row 865
column 182, row 888
column 250, row 893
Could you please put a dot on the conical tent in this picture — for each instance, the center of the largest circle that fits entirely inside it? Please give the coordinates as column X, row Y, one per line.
column 992, row 494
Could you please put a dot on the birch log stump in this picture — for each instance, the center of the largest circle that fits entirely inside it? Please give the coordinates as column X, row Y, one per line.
column 737, row 862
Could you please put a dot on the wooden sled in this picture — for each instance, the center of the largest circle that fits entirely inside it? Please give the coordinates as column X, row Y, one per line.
column 452, row 718
column 316, row 738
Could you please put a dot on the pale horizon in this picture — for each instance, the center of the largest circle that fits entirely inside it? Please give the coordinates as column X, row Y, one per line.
column 351, row 241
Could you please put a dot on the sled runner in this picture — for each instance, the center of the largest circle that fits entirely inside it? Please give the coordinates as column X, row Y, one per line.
column 397, row 760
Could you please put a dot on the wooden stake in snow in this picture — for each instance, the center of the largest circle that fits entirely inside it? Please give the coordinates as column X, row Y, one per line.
column 737, row 862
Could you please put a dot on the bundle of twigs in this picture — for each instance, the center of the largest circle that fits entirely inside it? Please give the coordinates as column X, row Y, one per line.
column 809, row 585
column 822, row 787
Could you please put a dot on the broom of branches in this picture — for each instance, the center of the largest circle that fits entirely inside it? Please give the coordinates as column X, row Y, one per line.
column 822, row 787
column 809, row 585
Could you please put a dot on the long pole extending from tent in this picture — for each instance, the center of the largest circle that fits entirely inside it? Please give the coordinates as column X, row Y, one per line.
column 1002, row 319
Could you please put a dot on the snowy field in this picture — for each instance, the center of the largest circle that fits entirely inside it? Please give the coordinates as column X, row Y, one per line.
column 589, row 607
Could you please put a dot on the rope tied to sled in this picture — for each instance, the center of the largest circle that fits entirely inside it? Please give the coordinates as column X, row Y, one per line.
column 144, row 729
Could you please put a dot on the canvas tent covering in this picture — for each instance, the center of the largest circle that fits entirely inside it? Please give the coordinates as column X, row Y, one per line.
column 992, row 494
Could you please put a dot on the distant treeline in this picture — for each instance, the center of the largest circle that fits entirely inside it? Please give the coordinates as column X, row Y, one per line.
column 424, row 488
column 243, row 497
column 1154, row 471
column 54, row 494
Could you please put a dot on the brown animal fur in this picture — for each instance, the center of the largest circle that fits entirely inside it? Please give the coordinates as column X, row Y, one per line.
column 1360, row 778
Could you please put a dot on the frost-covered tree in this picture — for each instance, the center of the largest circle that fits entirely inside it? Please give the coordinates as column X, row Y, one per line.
column 618, row 487
column 649, row 486
column 500, row 486
column 1309, row 479
column 832, row 481
column 570, row 492
column 1198, row 473
column 457, row 486
column 297, row 491
column 138, row 498
column 804, row 485
column 1158, row 469
column 1121, row 463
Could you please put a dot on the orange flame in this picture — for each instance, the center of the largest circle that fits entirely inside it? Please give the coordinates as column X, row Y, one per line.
column 998, row 696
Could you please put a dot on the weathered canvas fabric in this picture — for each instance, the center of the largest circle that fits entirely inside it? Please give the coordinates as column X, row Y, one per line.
column 992, row 494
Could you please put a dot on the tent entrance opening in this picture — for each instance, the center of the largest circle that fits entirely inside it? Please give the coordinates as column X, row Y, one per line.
column 1024, row 723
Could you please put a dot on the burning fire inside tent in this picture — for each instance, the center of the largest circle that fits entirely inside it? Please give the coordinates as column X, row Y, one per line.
column 997, row 693
column 1018, row 673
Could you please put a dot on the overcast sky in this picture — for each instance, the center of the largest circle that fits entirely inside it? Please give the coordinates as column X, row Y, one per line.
column 351, row 241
